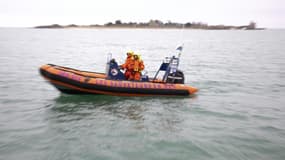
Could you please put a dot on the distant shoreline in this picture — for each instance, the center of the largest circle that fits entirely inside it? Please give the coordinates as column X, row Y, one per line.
column 153, row 24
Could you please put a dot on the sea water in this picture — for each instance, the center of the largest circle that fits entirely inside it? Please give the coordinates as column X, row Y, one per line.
column 238, row 113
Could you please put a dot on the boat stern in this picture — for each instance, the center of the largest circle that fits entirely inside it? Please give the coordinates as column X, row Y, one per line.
column 192, row 90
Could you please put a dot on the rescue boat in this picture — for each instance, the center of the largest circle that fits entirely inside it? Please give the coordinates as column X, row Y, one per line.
column 113, row 82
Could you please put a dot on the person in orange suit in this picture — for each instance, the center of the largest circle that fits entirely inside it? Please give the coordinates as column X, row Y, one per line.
column 137, row 66
column 127, row 65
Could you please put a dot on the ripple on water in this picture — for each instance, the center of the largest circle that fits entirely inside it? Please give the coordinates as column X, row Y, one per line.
column 238, row 112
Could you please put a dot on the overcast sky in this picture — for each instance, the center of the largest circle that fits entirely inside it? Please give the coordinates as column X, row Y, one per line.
column 27, row 13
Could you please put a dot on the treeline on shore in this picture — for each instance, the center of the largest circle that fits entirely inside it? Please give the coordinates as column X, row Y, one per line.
column 156, row 24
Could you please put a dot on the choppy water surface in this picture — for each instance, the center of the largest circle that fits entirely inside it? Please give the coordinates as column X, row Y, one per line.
column 238, row 113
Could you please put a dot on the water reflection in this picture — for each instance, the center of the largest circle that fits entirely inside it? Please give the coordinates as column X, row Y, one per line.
column 85, row 105
column 142, row 113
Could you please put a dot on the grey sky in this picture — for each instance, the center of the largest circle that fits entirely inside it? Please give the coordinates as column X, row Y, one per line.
column 26, row 13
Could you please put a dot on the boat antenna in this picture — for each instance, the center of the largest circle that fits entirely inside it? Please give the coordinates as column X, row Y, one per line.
column 180, row 49
column 181, row 33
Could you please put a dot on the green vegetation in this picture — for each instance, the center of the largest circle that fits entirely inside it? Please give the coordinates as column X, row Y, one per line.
column 157, row 24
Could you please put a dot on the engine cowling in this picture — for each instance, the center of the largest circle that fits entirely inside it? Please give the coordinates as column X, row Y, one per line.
column 177, row 77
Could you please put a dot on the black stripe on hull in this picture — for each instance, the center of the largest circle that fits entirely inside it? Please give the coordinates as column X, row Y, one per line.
column 69, row 90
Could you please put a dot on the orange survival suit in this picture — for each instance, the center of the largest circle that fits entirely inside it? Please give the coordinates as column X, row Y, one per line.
column 128, row 64
column 136, row 67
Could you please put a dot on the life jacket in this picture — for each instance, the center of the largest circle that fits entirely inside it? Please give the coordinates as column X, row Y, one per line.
column 138, row 65
column 128, row 62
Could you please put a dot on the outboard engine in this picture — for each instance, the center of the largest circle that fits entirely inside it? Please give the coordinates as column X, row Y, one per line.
column 170, row 66
column 114, row 71
column 176, row 77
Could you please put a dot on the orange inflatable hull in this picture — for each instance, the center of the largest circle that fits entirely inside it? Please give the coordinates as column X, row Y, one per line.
column 73, row 81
